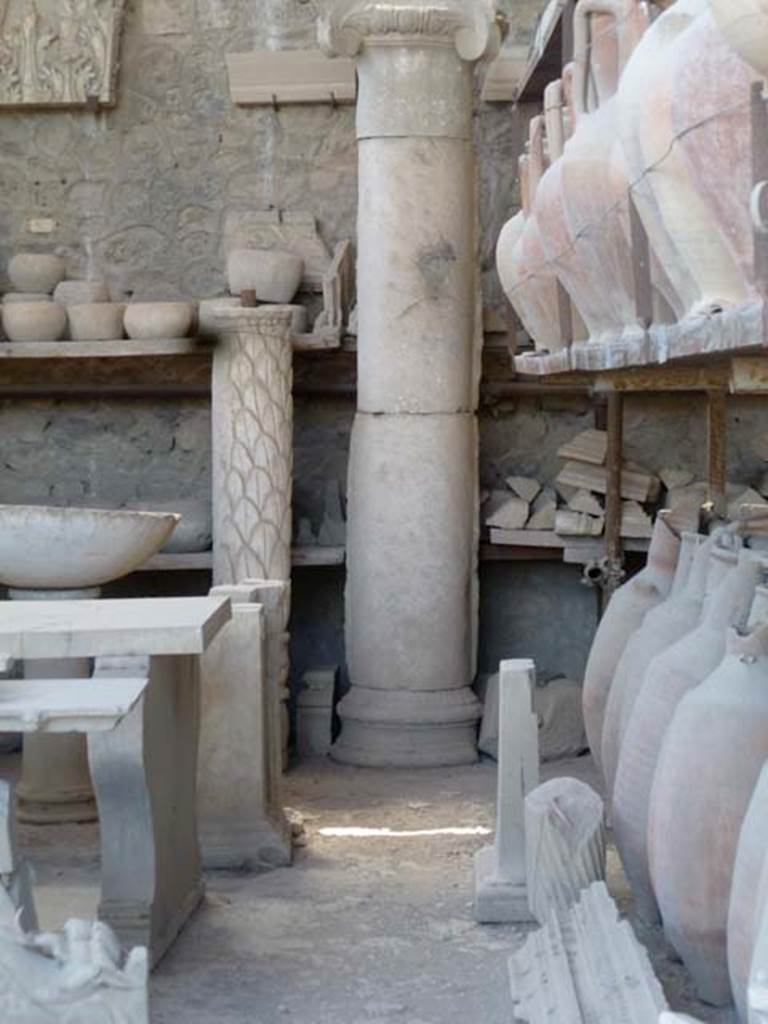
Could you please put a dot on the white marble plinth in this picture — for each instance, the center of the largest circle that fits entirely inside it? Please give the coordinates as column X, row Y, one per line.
column 500, row 869
column 275, row 598
column 242, row 824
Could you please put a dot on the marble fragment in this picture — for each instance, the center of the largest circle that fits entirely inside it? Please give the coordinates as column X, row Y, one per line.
column 585, row 965
column 565, row 844
column 543, row 512
column 76, row 976
column 588, row 446
column 500, row 869
column 524, row 487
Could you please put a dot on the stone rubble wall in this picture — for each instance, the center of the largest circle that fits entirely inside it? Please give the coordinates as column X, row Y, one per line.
column 140, row 194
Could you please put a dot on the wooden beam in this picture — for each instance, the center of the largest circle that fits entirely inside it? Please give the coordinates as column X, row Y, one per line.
column 759, row 108
column 717, row 450
column 272, row 77
column 681, row 377
column 614, row 461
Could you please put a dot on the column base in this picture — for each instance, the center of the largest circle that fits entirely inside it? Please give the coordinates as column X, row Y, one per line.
column 407, row 728
column 497, row 900
column 261, row 846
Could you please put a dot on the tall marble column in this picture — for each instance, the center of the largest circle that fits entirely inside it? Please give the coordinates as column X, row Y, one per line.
column 412, row 494
column 252, row 431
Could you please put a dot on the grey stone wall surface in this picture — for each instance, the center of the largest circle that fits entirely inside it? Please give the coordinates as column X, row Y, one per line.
column 140, row 193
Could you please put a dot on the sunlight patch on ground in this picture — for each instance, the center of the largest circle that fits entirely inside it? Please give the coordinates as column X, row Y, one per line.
column 355, row 832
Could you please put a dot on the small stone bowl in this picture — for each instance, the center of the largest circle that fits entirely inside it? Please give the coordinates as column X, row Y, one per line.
column 36, row 272
column 274, row 275
column 96, row 321
column 78, row 293
column 34, row 321
column 147, row 320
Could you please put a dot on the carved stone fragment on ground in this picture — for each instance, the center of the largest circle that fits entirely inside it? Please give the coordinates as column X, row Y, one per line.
column 585, row 965
column 565, row 844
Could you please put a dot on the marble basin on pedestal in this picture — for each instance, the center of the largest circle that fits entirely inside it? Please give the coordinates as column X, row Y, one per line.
column 44, row 548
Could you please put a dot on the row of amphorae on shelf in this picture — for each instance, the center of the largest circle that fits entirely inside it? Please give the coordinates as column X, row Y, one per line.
column 656, row 105
column 676, row 708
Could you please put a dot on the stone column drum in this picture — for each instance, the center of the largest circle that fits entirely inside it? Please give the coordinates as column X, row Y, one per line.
column 252, row 431
column 412, row 493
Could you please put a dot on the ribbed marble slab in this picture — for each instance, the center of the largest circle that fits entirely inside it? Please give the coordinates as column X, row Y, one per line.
column 585, row 966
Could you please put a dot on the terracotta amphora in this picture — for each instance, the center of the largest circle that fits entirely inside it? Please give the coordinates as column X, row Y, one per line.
column 621, row 618
column 641, row 104
column 684, row 99
column 580, row 205
column 744, row 23
column 660, row 628
column 671, row 674
column 710, row 761
column 528, row 281
column 749, row 894
column 711, row 119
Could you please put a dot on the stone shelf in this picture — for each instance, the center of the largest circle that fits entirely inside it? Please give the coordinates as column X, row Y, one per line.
column 740, row 332
column 130, row 348
column 302, row 557
column 528, row 546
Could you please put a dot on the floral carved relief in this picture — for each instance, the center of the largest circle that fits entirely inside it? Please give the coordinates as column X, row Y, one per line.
column 59, row 53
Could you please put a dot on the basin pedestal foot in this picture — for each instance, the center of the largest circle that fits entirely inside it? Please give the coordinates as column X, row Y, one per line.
column 55, row 785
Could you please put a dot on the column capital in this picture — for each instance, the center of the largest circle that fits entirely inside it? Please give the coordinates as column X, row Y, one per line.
column 473, row 27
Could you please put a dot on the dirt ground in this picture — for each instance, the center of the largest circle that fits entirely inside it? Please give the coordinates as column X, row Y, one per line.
column 372, row 924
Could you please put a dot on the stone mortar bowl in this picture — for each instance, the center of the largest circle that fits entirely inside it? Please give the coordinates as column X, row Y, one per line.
column 44, row 548
column 96, row 321
column 194, row 532
column 147, row 320
column 34, row 321
column 77, row 293
column 274, row 275
column 36, row 272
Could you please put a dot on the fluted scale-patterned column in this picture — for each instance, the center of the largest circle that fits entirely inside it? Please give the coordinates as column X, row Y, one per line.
column 252, row 430
column 412, row 494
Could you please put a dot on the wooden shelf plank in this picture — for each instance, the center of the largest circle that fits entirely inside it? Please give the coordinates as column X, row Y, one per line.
column 126, row 348
column 130, row 348
column 681, row 356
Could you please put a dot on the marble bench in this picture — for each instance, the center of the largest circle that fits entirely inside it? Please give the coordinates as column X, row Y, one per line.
column 144, row 769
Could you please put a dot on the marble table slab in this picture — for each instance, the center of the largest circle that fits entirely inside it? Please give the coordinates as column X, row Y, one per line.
column 89, row 629
column 144, row 770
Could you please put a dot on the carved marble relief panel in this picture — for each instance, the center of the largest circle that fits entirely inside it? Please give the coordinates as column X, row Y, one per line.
column 59, row 53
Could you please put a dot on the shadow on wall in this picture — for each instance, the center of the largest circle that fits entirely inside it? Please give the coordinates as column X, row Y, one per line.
column 538, row 610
